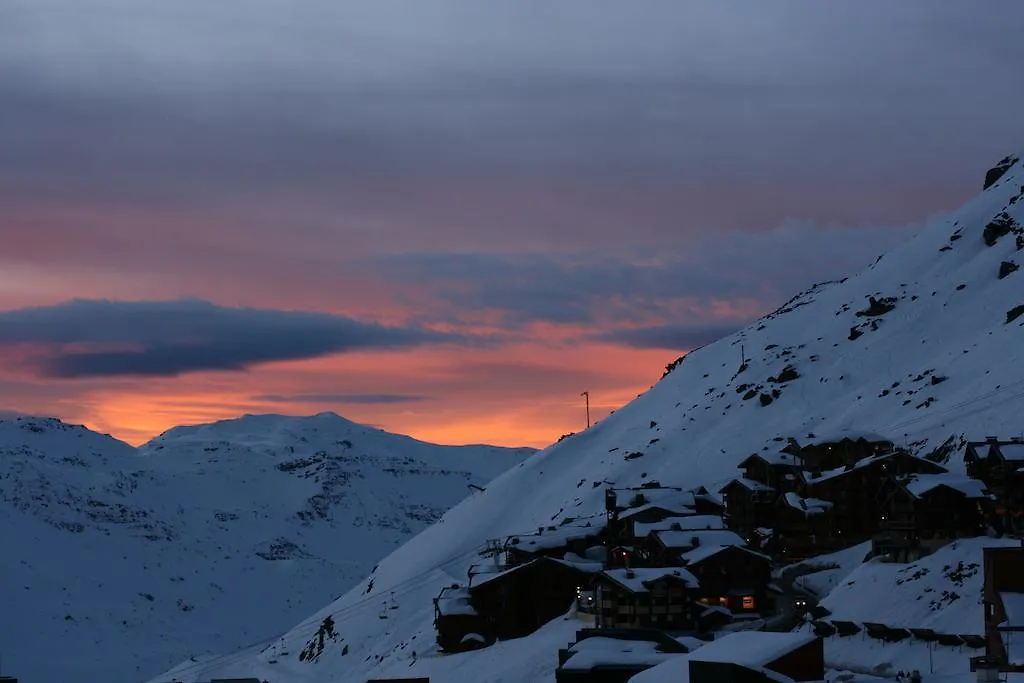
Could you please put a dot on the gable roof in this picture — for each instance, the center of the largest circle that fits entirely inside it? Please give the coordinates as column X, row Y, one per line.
column 689, row 522
column 838, row 435
column 672, row 540
column 921, row 484
column 748, row 484
column 772, row 458
column 704, row 552
column 808, row 506
column 751, row 648
column 639, row 580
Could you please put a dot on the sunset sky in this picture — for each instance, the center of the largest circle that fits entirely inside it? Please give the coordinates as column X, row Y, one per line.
column 449, row 218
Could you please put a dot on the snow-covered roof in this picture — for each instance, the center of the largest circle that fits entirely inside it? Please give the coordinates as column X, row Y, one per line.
column 685, row 539
column 752, row 648
column 1013, row 604
column 809, row 506
column 484, row 577
column 774, row 458
column 921, row 484
column 638, row 580
column 703, row 552
column 1012, row 452
column 838, row 435
column 550, row 539
column 689, row 522
column 599, row 651
column 455, row 601
column 863, row 462
column 750, row 484
column 675, row 508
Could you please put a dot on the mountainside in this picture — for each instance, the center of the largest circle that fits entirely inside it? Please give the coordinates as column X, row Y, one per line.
column 124, row 561
column 923, row 346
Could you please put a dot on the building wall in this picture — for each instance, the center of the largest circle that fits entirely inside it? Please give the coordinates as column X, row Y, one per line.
column 806, row 663
column 666, row 607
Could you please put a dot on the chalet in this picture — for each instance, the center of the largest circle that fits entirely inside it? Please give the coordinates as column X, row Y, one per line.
column 659, row 598
column 518, row 601
column 665, row 548
column 857, row 490
column 555, row 541
column 776, row 470
column 803, row 526
column 924, row 512
column 749, row 504
column 1000, row 464
column 1003, row 594
column 691, row 523
column 730, row 576
column 833, row 450
column 749, row 656
column 614, row 655
column 459, row 626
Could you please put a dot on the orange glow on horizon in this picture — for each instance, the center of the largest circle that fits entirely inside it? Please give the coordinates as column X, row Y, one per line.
column 527, row 395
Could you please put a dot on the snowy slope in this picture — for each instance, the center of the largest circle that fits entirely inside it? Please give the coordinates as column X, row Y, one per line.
column 204, row 539
column 944, row 363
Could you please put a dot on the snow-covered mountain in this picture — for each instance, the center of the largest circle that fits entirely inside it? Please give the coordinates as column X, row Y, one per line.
column 924, row 346
column 118, row 562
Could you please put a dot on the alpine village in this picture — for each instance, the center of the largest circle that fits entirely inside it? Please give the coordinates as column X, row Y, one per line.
column 664, row 566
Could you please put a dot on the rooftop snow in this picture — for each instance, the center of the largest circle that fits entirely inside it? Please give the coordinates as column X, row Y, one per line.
column 1013, row 452
column 836, row 436
column 697, row 537
column 752, row 648
column 455, row 602
column 600, row 651
column 703, row 552
column 691, row 522
column 923, row 483
column 750, row 484
column 809, row 506
column 638, row 580
column 1013, row 603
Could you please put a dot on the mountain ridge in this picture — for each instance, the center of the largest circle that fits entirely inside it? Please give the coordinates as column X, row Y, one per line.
column 923, row 345
column 133, row 558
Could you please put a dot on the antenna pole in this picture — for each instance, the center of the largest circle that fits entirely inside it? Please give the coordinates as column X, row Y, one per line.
column 587, row 395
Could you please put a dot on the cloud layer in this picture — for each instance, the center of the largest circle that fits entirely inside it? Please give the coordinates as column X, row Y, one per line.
column 84, row 338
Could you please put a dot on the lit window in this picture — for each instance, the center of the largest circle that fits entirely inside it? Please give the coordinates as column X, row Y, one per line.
column 723, row 601
column 748, row 602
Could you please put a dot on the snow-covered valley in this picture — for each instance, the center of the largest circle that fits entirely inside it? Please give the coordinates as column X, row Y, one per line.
column 923, row 346
column 119, row 562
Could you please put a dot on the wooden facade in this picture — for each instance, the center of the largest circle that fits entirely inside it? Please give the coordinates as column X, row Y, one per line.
column 920, row 514
column 859, row 491
column 776, row 470
column 1000, row 464
column 831, row 453
column 517, row 602
column 1003, row 581
column 732, row 577
column 458, row 624
column 803, row 527
column 646, row 598
column 749, row 504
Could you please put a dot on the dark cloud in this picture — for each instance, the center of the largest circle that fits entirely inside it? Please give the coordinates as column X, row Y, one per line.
column 712, row 283
column 162, row 338
column 365, row 399
column 675, row 337
column 140, row 100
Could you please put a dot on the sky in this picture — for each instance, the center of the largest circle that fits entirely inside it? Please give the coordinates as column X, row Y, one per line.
column 450, row 218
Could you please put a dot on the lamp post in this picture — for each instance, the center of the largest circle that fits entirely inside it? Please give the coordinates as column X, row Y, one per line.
column 586, row 394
